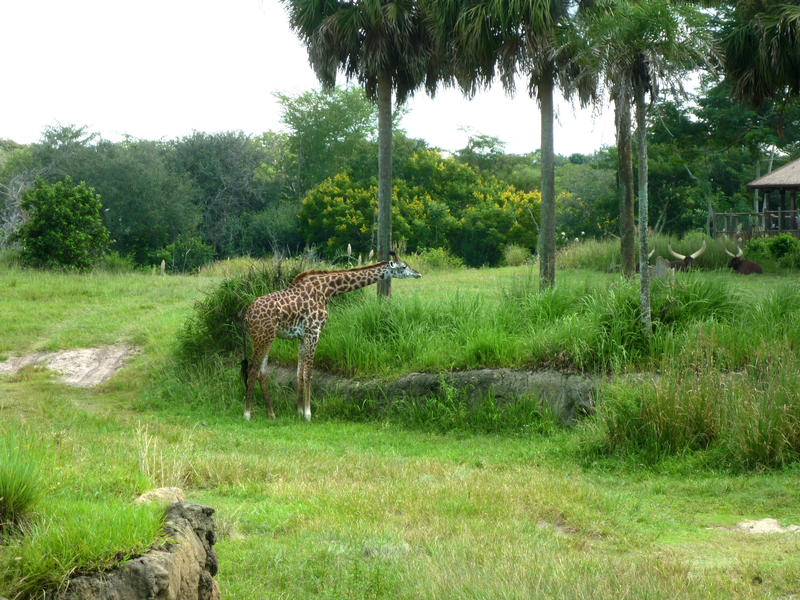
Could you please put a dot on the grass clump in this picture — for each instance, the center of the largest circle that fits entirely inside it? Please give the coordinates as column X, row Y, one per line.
column 76, row 537
column 20, row 483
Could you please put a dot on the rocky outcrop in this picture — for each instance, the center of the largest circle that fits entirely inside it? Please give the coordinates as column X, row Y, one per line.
column 567, row 396
column 183, row 570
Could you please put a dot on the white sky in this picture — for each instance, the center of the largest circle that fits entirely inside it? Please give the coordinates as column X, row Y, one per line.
column 160, row 69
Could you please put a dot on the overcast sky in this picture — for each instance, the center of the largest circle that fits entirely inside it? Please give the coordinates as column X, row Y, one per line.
column 160, row 69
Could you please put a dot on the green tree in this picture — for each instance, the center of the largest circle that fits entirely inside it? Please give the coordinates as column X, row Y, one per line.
column 761, row 45
column 384, row 44
column 483, row 38
column 223, row 168
column 64, row 228
column 643, row 46
column 327, row 128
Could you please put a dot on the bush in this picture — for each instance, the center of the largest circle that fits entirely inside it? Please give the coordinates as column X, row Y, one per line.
column 515, row 255
column 436, row 259
column 64, row 228
column 185, row 254
column 114, row 262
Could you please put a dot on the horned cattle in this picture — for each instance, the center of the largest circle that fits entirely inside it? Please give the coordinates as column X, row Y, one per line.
column 685, row 262
column 745, row 267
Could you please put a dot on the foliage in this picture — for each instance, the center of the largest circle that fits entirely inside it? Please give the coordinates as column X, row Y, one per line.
column 327, row 128
column 64, row 228
column 442, row 204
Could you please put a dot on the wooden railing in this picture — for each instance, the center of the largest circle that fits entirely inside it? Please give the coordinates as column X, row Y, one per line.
column 752, row 224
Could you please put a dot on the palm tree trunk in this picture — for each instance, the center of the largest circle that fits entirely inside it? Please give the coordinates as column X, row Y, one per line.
column 547, row 232
column 625, row 182
column 384, row 177
column 641, row 151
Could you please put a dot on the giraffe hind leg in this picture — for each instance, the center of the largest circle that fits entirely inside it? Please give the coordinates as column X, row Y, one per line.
column 257, row 372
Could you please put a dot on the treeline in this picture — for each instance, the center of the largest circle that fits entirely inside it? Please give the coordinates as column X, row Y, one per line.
column 215, row 195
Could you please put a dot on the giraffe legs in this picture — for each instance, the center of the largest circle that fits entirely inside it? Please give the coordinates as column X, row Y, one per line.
column 300, row 378
column 258, row 370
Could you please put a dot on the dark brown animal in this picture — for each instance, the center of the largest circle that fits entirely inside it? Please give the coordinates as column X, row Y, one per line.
column 686, row 262
column 745, row 267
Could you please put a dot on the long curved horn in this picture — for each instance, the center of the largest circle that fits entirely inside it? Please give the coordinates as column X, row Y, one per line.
column 739, row 255
column 649, row 256
column 699, row 253
column 731, row 254
column 675, row 254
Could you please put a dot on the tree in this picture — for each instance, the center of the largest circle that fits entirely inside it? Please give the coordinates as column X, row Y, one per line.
column 761, row 45
column 223, row 168
column 384, row 44
column 484, row 38
column 642, row 46
column 64, row 228
column 326, row 129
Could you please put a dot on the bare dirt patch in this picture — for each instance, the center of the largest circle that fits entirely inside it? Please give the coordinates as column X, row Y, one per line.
column 81, row 367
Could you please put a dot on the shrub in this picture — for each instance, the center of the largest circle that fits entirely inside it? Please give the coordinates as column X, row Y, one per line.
column 185, row 254
column 64, row 228
column 436, row 259
column 114, row 262
column 216, row 325
column 20, row 486
column 781, row 245
column 515, row 255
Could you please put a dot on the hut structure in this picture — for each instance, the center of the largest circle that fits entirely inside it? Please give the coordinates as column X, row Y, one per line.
column 775, row 207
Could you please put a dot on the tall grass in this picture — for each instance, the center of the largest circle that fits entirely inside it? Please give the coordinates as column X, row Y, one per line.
column 746, row 420
column 21, row 486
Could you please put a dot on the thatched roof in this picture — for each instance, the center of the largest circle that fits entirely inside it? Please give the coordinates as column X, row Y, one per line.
column 786, row 177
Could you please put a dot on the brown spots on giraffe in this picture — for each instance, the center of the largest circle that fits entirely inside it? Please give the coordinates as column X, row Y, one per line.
column 299, row 312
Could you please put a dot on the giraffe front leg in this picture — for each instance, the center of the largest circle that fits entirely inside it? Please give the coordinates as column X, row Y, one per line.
column 300, row 378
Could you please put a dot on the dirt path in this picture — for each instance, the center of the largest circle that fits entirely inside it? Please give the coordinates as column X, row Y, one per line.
column 82, row 367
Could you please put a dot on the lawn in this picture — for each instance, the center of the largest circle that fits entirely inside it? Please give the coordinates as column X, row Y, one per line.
column 371, row 507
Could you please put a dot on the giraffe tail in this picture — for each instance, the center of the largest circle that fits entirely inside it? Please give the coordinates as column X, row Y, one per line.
column 244, row 360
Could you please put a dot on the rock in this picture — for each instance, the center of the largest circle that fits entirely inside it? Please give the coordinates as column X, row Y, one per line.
column 183, row 570
column 165, row 495
column 567, row 396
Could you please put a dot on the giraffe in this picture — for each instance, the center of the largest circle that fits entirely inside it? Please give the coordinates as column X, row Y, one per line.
column 299, row 312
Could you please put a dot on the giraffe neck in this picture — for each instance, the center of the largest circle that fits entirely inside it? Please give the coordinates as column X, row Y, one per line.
column 333, row 283
column 340, row 282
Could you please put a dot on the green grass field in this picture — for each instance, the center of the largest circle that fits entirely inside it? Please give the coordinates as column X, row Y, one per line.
column 373, row 507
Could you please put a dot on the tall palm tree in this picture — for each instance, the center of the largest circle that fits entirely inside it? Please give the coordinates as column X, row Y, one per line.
column 385, row 46
column 761, row 45
column 483, row 39
column 640, row 47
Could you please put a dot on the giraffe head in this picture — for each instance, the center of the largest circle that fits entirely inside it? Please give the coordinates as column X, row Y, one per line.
column 397, row 269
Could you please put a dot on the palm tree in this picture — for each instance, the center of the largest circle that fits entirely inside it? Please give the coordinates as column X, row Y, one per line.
column 384, row 45
column 761, row 45
column 483, row 39
column 641, row 46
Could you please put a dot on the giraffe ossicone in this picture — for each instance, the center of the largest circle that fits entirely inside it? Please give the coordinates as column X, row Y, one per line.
column 299, row 312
